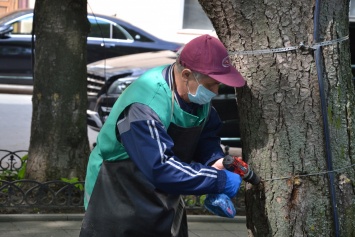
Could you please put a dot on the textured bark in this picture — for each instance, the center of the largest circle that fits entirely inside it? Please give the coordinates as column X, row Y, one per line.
column 59, row 145
column 281, row 117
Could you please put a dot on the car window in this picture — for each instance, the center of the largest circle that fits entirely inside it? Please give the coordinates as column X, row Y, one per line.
column 106, row 29
column 137, row 36
column 23, row 26
column 10, row 16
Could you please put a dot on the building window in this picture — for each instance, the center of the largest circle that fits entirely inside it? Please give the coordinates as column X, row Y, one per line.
column 195, row 17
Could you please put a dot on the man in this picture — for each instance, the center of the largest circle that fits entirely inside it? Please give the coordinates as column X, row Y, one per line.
column 159, row 142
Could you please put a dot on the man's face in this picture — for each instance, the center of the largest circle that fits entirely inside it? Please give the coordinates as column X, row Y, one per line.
column 206, row 81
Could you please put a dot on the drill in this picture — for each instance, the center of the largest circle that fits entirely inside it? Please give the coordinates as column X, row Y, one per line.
column 238, row 166
column 221, row 204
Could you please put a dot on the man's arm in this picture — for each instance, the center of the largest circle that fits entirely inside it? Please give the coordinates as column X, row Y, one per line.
column 150, row 147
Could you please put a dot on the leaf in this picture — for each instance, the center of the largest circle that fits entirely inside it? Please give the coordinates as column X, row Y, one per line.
column 22, row 170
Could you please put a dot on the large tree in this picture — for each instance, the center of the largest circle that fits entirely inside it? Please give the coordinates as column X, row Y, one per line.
column 292, row 101
column 59, row 145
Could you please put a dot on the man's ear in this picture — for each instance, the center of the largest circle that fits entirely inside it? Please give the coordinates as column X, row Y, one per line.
column 185, row 73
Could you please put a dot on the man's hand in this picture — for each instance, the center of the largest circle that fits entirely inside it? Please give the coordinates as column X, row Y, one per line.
column 218, row 164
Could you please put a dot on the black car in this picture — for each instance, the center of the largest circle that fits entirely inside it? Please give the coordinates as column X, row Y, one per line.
column 108, row 78
column 109, row 37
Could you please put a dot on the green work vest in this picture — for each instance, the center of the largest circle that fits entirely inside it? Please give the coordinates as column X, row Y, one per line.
column 152, row 90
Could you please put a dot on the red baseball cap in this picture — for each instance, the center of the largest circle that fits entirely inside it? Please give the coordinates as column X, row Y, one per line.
column 207, row 55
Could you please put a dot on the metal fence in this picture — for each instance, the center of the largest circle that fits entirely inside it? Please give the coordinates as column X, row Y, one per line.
column 51, row 194
column 11, row 162
column 22, row 193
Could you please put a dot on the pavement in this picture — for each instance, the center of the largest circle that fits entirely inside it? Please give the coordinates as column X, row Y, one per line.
column 68, row 225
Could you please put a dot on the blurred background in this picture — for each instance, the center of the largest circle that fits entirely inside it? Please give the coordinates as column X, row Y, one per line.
column 173, row 20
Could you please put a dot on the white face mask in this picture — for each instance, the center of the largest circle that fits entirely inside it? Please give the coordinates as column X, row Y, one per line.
column 202, row 96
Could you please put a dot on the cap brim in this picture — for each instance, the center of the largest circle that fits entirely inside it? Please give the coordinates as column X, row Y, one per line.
column 233, row 78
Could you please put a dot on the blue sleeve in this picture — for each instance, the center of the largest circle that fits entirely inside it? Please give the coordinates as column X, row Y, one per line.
column 209, row 146
column 150, row 148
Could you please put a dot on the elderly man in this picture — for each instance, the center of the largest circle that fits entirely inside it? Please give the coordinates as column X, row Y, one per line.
column 158, row 143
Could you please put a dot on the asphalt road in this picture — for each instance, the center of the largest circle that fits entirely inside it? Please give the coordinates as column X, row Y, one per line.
column 15, row 122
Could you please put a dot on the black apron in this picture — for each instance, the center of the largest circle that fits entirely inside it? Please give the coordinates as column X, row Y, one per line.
column 125, row 204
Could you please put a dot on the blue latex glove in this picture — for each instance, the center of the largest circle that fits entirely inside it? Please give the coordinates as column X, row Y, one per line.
column 220, row 205
column 233, row 182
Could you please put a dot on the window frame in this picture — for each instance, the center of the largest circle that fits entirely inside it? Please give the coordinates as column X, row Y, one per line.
column 182, row 31
column 112, row 24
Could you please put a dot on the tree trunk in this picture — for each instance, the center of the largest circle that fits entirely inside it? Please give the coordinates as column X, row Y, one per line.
column 59, row 144
column 281, row 114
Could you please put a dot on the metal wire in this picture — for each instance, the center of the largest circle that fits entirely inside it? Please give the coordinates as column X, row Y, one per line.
column 301, row 46
column 311, row 174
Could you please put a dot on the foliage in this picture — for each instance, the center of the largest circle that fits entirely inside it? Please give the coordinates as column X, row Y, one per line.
column 194, row 201
column 74, row 181
column 22, row 170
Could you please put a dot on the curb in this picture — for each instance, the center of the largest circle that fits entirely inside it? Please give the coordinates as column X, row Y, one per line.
column 79, row 217
column 40, row 217
column 207, row 218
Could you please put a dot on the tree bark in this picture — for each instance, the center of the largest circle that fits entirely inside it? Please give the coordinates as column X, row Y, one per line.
column 59, row 145
column 281, row 114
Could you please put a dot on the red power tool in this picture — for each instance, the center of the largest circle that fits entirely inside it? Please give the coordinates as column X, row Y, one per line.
column 221, row 204
column 238, row 166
